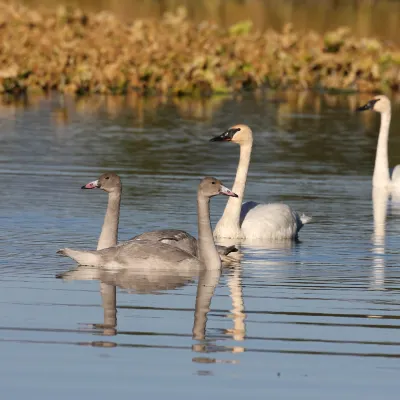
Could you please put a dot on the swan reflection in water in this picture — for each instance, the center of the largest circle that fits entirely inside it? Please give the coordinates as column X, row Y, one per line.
column 380, row 198
column 145, row 282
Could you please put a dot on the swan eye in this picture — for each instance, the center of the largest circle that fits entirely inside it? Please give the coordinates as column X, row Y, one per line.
column 107, row 177
column 213, row 183
column 232, row 131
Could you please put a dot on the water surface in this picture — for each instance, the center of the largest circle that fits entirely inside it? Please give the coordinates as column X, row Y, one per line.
column 315, row 319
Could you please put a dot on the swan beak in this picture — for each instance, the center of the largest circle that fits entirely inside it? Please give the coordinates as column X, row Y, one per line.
column 368, row 106
column 227, row 192
column 224, row 137
column 91, row 185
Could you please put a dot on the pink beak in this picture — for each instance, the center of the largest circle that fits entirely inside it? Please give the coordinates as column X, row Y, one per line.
column 227, row 192
column 91, row 185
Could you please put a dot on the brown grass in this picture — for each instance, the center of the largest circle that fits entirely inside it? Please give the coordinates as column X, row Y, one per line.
column 75, row 52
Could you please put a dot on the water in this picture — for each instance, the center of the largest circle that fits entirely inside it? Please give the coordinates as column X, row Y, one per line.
column 316, row 319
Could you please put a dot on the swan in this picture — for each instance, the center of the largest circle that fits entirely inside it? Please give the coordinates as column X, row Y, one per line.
column 160, row 256
column 251, row 220
column 111, row 183
column 381, row 177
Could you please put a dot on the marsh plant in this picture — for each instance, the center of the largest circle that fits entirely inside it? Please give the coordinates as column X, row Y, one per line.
column 70, row 51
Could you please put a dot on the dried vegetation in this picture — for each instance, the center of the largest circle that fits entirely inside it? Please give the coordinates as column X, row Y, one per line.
column 75, row 52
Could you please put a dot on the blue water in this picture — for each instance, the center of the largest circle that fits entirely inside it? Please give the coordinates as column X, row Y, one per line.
column 311, row 320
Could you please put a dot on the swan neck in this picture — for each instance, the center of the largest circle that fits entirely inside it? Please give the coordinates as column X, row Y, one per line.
column 207, row 251
column 381, row 176
column 109, row 231
column 233, row 207
column 380, row 198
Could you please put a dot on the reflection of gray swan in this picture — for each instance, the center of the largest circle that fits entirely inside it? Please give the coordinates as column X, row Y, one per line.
column 147, row 281
column 158, row 255
column 252, row 220
column 381, row 177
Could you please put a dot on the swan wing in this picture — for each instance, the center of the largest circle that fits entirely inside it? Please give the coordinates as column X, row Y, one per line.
column 173, row 237
column 270, row 221
column 180, row 239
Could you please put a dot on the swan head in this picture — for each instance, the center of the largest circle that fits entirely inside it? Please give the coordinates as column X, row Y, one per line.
column 109, row 182
column 240, row 134
column 210, row 187
column 379, row 103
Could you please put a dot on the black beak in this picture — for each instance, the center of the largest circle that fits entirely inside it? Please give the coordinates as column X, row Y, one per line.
column 368, row 106
column 224, row 137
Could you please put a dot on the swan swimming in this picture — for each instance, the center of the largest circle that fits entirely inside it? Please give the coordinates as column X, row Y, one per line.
column 111, row 183
column 158, row 255
column 251, row 220
column 381, row 177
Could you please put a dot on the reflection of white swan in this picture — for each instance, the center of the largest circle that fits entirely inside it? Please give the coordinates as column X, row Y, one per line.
column 381, row 177
column 380, row 199
column 208, row 280
column 253, row 220
column 146, row 254
column 238, row 316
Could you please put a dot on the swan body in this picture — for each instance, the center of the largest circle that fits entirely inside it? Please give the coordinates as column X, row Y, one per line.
column 145, row 254
column 251, row 220
column 111, row 183
column 381, row 177
column 278, row 219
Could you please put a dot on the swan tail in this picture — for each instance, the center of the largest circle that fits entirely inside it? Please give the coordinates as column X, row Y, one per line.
column 82, row 257
column 305, row 219
column 225, row 250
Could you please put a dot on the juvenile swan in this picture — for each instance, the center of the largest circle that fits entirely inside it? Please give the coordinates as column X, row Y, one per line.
column 381, row 177
column 253, row 220
column 157, row 255
column 111, row 183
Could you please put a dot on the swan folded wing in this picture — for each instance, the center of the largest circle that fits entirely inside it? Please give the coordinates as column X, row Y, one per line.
column 164, row 234
column 173, row 237
column 225, row 250
column 246, row 207
column 179, row 239
column 278, row 219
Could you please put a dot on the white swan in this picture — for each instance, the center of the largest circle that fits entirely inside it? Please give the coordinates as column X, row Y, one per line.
column 111, row 183
column 381, row 177
column 252, row 220
column 158, row 255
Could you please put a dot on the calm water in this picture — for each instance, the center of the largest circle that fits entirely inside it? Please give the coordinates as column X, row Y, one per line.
column 317, row 319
